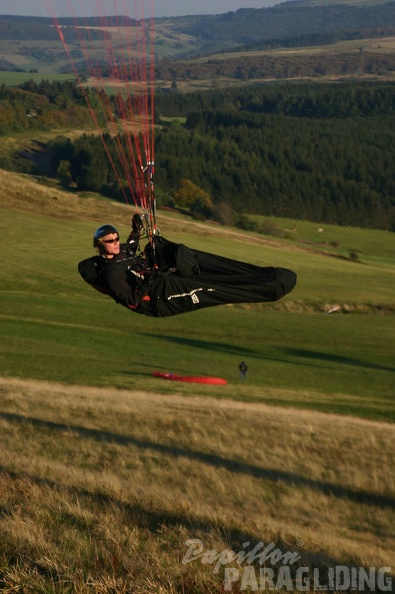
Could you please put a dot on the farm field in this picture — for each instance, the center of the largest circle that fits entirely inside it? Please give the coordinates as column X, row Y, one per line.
column 47, row 59
column 106, row 471
column 13, row 79
column 382, row 45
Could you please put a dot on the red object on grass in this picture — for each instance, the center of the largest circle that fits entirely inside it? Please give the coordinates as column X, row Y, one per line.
column 190, row 379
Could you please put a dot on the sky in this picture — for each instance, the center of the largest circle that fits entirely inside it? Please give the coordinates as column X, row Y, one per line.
column 163, row 8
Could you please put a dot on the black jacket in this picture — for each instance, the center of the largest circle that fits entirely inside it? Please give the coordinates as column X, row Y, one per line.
column 182, row 280
column 124, row 278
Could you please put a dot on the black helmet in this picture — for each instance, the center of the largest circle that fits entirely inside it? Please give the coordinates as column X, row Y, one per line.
column 102, row 232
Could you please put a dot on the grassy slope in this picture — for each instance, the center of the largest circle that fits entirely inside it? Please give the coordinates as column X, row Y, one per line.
column 101, row 486
column 56, row 327
column 115, row 483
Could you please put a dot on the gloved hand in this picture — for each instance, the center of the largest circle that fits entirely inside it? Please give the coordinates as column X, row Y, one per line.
column 137, row 223
column 133, row 241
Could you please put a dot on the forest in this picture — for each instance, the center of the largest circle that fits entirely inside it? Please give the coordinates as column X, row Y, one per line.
column 247, row 26
column 262, row 66
column 322, row 152
column 14, row 28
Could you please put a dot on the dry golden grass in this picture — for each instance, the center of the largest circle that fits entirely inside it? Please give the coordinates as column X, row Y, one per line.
column 100, row 488
column 23, row 192
column 374, row 45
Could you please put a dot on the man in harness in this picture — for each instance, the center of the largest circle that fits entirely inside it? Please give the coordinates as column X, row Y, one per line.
column 168, row 279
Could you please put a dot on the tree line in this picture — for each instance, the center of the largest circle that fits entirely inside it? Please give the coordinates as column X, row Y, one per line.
column 287, row 66
column 324, row 153
column 299, row 99
column 42, row 29
column 289, row 19
column 321, row 38
column 318, row 152
column 45, row 105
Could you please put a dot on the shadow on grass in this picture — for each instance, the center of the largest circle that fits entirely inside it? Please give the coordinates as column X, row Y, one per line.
column 292, row 353
column 207, row 345
column 137, row 515
column 338, row 359
column 235, row 466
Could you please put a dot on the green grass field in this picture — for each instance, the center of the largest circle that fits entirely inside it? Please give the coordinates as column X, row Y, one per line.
column 106, row 472
column 13, row 79
column 55, row 327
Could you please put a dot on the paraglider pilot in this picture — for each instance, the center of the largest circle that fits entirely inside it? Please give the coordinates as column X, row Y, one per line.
column 180, row 280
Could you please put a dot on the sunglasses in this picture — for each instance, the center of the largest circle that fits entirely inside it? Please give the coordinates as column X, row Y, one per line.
column 111, row 240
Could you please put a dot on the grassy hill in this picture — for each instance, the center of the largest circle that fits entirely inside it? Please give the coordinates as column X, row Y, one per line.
column 51, row 316
column 107, row 472
column 102, row 489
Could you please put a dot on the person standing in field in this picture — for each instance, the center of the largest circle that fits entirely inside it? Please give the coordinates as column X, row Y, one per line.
column 243, row 368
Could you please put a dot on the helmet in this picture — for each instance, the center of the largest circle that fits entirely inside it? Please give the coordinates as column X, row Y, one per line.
column 102, row 232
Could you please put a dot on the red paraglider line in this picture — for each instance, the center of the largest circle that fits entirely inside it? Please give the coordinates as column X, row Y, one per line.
column 134, row 75
column 126, row 161
column 91, row 110
column 119, row 72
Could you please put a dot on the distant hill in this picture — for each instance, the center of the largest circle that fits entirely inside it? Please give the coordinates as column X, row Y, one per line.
column 289, row 19
column 197, row 48
column 244, row 27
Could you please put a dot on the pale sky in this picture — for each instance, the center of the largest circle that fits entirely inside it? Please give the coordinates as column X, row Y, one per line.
column 162, row 7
